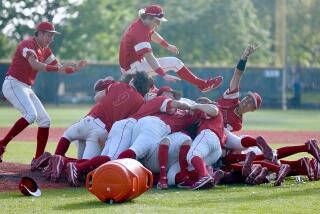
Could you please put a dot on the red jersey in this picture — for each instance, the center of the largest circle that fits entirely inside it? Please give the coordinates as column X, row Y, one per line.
column 156, row 105
column 180, row 120
column 135, row 42
column 227, row 105
column 215, row 124
column 20, row 67
column 120, row 102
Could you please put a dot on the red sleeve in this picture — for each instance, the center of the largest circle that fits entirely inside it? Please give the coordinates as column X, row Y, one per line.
column 49, row 58
column 27, row 49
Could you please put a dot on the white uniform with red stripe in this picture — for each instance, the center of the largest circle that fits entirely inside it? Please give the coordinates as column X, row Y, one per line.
column 20, row 77
column 120, row 135
column 232, row 121
column 151, row 161
column 120, row 101
column 209, row 140
column 134, row 44
column 151, row 129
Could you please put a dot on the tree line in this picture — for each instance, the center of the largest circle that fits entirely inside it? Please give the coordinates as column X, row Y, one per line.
column 207, row 32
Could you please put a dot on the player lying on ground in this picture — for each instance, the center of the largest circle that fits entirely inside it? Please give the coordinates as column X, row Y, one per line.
column 119, row 100
column 31, row 56
column 302, row 166
column 136, row 52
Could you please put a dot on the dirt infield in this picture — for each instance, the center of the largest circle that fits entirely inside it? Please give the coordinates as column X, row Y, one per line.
column 287, row 137
column 11, row 173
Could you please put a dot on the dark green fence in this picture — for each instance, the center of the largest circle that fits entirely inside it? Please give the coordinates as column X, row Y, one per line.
column 302, row 87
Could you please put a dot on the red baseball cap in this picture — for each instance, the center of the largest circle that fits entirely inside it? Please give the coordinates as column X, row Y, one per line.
column 29, row 187
column 155, row 11
column 47, row 26
column 257, row 99
column 176, row 94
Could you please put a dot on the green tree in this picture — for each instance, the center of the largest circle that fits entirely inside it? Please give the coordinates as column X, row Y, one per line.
column 303, row 38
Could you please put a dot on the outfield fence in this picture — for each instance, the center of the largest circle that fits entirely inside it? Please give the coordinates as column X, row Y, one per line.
column 302, row 84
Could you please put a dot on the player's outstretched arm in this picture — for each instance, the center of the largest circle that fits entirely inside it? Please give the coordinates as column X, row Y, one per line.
column 210, row 109
column 69, row 67
column 238, row 72
column 157, row 38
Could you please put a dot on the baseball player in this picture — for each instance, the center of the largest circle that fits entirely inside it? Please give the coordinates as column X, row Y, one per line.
column 136, row 51
column 32, row 55
column 166, row 101
column 206, row 147
column 233, row 109
column 119, row 100
column 119, row 137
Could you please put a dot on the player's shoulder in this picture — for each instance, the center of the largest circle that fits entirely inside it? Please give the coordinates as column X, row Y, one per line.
column 28, row 42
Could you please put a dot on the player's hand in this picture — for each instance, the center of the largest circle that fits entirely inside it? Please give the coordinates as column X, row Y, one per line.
column 173, row 49
column 81, row 64
column 251, row 48
column 171, row 78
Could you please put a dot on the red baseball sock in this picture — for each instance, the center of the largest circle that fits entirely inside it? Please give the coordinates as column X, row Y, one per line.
column 163, row 159
column 62, row 147
column 270, row 166
column 296, row 164
column 290, row 150
column 129, row 153
column 260, row 157
column 248, row 141
column 233, row 158
column 93, row 163
column 184, row 148
column 42, row 139
column 199, row 165
column 18, row 127
column 296, row 168
column 187, row 75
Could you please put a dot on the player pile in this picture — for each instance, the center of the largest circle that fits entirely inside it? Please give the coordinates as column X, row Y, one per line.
column 190, row 144
column 187, row 143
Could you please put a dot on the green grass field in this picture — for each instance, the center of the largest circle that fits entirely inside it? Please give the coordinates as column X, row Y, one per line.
column 295, row 120
column 292, row 197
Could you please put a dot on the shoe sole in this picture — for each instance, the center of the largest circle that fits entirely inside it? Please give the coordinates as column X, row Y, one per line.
column 248, row 164
column 211, row 88
column 58, row 165
column 281, row 176
column 266, row 149
column 43, row 160
column 202, row 184
column 70, row 176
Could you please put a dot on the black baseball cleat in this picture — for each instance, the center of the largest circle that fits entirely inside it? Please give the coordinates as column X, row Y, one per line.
column 247, row 165
column 283, row 172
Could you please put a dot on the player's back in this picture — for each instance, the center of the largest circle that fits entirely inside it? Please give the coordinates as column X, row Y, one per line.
column 120, row 102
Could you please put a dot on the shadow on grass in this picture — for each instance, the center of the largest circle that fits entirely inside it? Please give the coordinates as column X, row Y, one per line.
column 94, row 204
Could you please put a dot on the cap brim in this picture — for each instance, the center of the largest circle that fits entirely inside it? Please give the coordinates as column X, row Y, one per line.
column 53, row 31
column 161, row 19
column 37, row 193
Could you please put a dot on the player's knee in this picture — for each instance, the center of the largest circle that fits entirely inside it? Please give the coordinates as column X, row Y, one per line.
column 178, row 64
column 165, row 141
column 44, row 121
column 31, row 117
